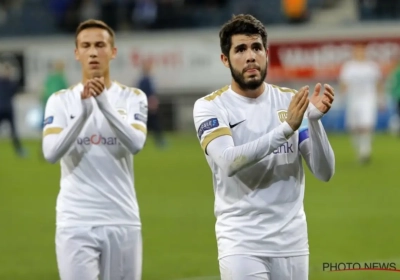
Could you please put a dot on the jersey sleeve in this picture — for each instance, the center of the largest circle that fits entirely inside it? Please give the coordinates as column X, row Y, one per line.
column 58, row 135
column 130, row 131
column 54, row 118
column 315, row 147
column 209, row 123
column 138, row 111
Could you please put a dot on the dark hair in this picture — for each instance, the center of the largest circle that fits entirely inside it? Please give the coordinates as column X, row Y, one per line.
column 93, row 23
column 241, row 25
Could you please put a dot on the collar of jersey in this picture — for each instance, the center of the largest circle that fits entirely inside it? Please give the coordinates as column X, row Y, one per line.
column 248, row 99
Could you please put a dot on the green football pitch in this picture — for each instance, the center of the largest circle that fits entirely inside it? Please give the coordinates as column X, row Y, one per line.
column 353, row 218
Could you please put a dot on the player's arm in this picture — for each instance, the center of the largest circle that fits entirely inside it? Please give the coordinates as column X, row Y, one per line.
column 58, row 135
column 315, row 147
column 217, row 142
column 131, row 131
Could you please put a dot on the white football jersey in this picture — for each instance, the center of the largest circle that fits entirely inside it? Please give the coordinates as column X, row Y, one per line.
column 361, row 79
column 97, row 179
column 259, row 210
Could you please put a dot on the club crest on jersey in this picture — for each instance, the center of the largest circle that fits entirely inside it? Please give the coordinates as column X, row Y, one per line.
column 282, row 115
column 122, row 112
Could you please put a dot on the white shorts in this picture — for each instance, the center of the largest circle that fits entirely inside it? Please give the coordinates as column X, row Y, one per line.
column 245, row 267
column 105, row 252
column 361, row 115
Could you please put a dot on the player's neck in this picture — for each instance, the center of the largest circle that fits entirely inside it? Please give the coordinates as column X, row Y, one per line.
column 248, row 93
column 107, row 81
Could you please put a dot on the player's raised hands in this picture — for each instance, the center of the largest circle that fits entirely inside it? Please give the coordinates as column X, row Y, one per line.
column 297, row 108
column 322, row 102
column 86, row 93
column 97, row 86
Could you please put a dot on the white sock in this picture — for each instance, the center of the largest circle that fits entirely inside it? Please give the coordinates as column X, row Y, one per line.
column 355, row 139
column 365, row 145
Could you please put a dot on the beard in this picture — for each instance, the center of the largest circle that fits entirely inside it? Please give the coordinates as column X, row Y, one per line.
column 251, row 84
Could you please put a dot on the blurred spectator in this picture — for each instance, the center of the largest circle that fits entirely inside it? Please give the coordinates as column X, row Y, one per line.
column 54, row 82
column 295, row 10
column 8, row 89
column 146, row 84
column 144, row 13
column 88, row 9
column 60, row 10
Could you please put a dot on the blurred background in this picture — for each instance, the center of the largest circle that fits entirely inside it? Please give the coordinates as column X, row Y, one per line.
column 170, row 48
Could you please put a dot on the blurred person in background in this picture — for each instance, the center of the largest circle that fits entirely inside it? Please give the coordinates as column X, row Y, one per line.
column 361, row 81
column 144, row 13
column 54, row 82
column 146, row 83
column 295, row 10
column 88, row 9
column 393, row 87
column 8, row 89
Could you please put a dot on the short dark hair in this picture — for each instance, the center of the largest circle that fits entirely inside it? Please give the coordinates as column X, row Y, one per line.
column 241, row 25
column 93, row 23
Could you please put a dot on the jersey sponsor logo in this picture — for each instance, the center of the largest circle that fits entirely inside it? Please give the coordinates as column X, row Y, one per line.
column 282, row 115
column 207, row 125
column 284, row 149
column 48, row 120
column 141, row 118
column 97, row 139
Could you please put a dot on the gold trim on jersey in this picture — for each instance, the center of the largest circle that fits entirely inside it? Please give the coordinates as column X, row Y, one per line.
column 121, row 85
column 60, row 91
column 72, row 87
column 216, row 93
column 284, row 89
column 132, row 89
column 137, row 91
column 139, row 127
column 215, row 134
column 52, row 130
